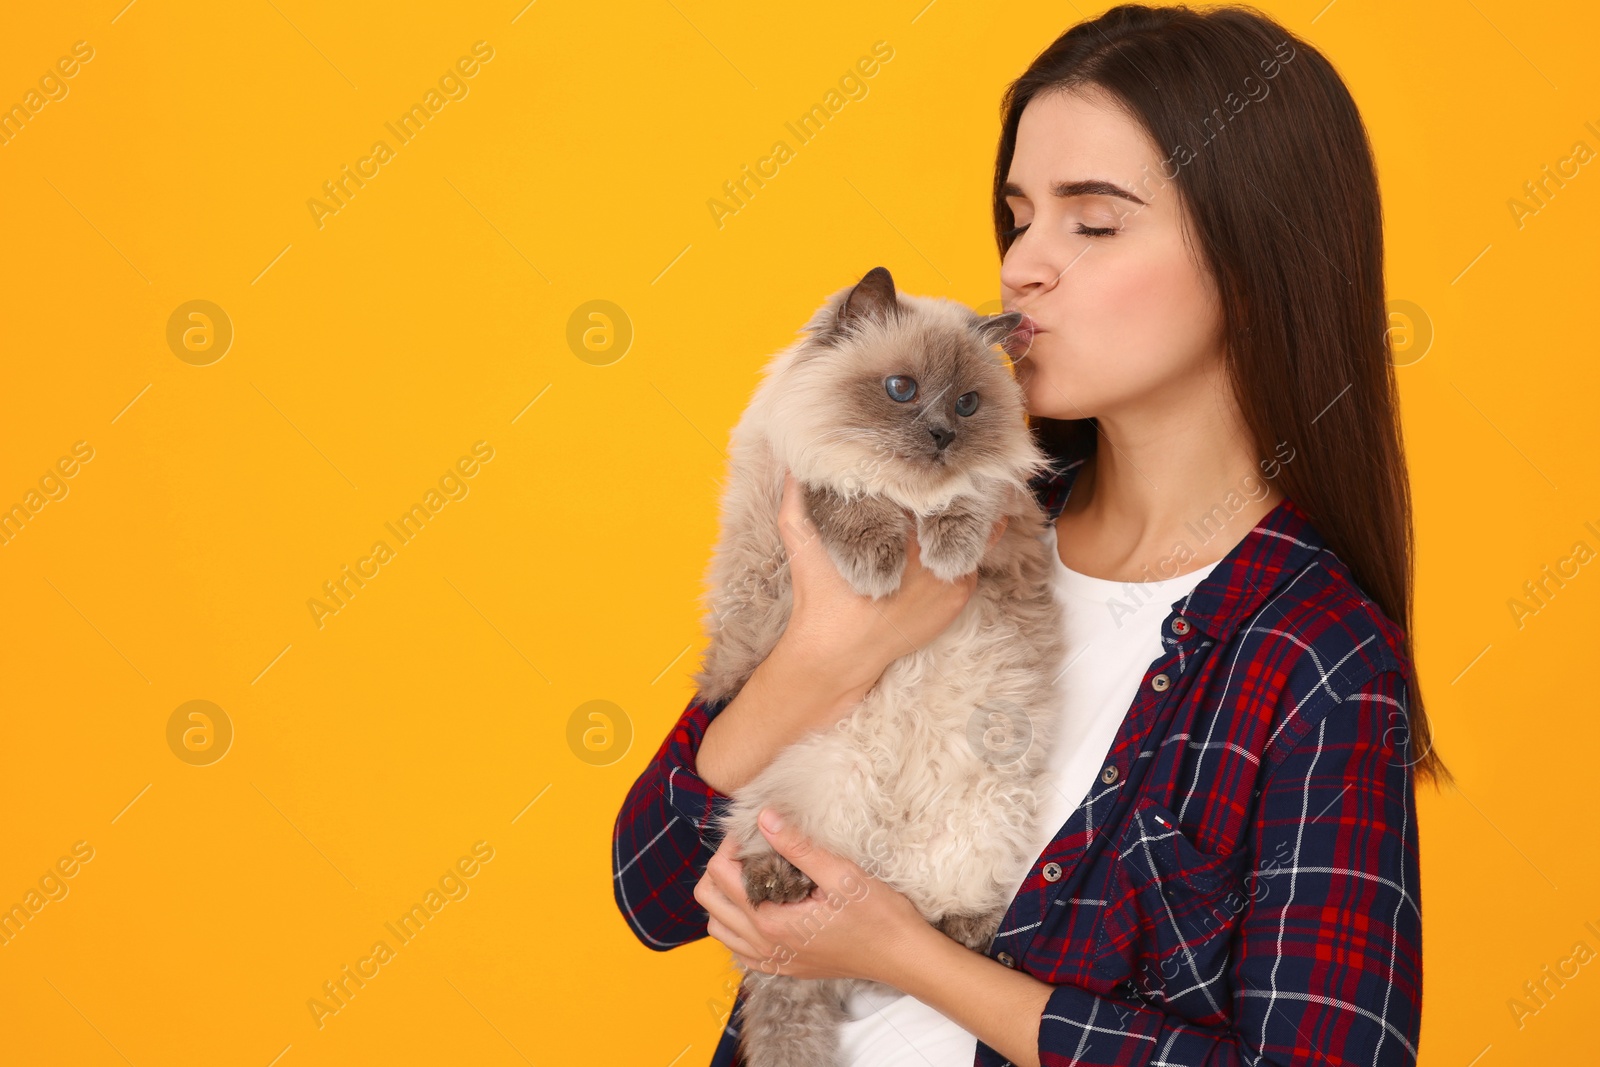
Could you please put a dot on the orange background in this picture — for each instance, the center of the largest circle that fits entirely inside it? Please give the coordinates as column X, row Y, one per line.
column 369, row 354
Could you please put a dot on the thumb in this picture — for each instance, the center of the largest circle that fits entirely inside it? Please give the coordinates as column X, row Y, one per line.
column 798, row 849
column 795, row 527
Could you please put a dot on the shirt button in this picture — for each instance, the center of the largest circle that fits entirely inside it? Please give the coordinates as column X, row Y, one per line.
column 1005, row 958
column 1180, row 626
column 1160, row 682
column 1052, row 872
column 1109, row 775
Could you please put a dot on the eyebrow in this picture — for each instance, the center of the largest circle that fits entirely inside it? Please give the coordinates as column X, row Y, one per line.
column 1091, row 187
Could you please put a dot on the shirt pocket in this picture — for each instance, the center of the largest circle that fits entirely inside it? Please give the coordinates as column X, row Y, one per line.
column 1170, row 915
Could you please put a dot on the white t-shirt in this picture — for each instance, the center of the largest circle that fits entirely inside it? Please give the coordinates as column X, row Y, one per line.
column 1112, row 636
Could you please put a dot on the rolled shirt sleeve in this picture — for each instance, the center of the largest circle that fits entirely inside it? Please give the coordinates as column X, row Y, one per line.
column 665, row 834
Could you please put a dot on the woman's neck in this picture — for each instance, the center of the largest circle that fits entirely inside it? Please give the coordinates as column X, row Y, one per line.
column 1162, row 503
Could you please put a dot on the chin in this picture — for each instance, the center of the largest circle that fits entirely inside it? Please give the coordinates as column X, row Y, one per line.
column 1042, row 400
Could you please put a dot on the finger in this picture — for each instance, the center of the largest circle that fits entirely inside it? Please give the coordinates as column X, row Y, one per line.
column 820, row 866
column 768, row 964
column 791, row 495
column 725, row 911
column 794, row 522
column 706, row 891
column 735, row 943
column 913, row 550
column 727, row 874
column 752, row 964
column 743, row 949
column 788, row 514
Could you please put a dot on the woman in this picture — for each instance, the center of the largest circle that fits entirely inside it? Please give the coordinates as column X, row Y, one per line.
column 1187, row 209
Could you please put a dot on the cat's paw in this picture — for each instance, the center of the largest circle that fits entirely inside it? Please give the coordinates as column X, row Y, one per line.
column 954, row 540
column 865, row 538
column 769, row 876
column 873, row 565
column 974, row 931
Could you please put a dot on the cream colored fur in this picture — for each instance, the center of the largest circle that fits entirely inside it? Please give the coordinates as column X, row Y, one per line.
column 909, row 785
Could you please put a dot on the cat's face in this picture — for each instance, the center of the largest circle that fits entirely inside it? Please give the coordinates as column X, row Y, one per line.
column 903, row 396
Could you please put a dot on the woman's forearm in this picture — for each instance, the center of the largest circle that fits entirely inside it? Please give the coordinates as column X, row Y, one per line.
column 999, row 1006
column 783, row 700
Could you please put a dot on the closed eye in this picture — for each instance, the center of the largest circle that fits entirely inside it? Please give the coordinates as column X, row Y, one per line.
column 1086, row 231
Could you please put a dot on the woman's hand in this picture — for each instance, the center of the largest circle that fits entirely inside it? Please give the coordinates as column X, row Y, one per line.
column 852, row 925
column 837, row 632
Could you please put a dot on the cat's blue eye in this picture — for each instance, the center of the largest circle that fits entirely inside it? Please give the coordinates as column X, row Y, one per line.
column 966, row 404
column 900, row 387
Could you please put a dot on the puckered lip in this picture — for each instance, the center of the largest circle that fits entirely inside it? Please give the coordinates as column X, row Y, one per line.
column 1020, row 340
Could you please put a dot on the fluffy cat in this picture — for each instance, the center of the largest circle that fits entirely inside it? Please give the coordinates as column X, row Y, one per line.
column 893, row 410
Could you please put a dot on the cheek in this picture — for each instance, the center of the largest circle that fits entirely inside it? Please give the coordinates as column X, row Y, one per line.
column 1134, row 321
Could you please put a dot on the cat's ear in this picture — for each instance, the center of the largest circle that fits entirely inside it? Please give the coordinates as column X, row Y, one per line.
column 873, row 297
column 994, row 329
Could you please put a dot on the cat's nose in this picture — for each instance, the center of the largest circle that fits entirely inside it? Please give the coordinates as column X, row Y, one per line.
column 941, row 437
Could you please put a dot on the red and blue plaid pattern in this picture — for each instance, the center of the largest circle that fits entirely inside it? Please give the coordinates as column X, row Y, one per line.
column 1240, row 886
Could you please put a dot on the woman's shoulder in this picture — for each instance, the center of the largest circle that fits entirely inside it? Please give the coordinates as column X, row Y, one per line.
column 1319, row 641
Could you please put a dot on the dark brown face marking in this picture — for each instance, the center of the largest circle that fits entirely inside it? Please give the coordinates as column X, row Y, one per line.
column 965, row 416
column 948, row 362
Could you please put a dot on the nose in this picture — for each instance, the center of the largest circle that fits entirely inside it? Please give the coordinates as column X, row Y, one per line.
column 941, row 437
column 1028, row 271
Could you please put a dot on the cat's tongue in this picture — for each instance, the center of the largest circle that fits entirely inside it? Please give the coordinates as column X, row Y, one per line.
column 1020, row 340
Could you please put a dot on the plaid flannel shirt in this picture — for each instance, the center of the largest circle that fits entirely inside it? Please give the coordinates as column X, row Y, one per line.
column 1240, row 886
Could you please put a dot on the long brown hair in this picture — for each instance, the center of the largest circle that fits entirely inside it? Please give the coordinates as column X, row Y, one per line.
column 1272, row 165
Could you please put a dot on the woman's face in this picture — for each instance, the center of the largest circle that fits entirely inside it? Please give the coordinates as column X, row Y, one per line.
column 1126, row 315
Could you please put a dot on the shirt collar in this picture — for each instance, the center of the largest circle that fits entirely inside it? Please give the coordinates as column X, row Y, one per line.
column 1269, row 556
